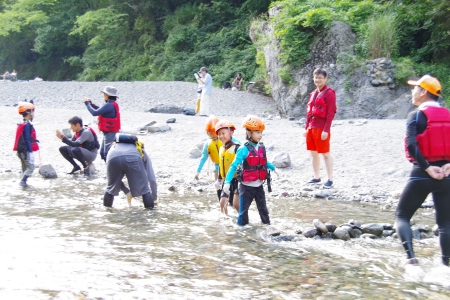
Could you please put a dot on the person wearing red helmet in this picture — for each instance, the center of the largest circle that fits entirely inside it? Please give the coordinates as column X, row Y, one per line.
column 26, row 143
column 427, row 146
column 254, row 171
column 225, row 130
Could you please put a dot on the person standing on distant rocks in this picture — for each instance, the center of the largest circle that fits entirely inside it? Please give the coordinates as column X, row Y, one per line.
column 320, row 113
column 207, row 81
column 427, row 146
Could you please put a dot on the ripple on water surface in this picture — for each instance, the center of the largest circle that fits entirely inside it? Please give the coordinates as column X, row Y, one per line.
column 58, row 241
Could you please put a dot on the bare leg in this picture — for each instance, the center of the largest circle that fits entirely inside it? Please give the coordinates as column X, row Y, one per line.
column 316, row 164
column 224, row 205
column 328, row 164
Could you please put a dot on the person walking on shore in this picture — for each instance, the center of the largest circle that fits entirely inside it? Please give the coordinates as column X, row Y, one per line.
column 207, row 82
column 427, row 146
column 321, row 110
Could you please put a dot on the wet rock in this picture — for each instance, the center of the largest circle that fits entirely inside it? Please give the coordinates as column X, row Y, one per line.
column 328, row 235
column 291, row 119
column 283, row 238
column 341, row 234
column 281, row 160
column 273, row 231
column 421, row 228
column 357, row 232
column 172, row 188
column 195, row 153
column 158, row 128
column 354, row 223
column 320, row 226
column 436, row 230
column 369, row 236
column 322, row 193
column 427, row 204
column 171, row 120
column 47, row 171
column 387, row 233
column 350, row 230
column 330, row 227
column 299, row 231
column 310, row 233
column 388, row 226
column 416, row 233
column 376, row 229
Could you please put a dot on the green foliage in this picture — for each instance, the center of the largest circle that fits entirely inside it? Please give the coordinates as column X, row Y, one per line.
column 285, row 74
column 404, row 68
column 381, row 36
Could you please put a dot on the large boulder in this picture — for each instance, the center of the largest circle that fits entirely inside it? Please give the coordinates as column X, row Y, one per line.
column 365, row 91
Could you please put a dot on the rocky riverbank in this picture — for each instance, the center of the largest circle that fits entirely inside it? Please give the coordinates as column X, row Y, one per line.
column 369, row 164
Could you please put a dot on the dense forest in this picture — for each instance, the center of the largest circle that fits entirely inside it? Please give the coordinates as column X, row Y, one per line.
column 169, row 40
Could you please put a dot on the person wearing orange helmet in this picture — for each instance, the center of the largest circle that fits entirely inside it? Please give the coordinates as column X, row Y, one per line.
column 427, row 146
column 225, row 130
column 26, row 143
column 254, row 171
column 211, row 147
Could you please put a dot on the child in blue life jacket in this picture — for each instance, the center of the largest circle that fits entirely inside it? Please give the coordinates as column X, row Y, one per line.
column 26, row 143
column 254, row 165
column 225, row 130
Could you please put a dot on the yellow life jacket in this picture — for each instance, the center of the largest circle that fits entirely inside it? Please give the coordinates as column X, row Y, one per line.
column 226, row 158
column 213, row 150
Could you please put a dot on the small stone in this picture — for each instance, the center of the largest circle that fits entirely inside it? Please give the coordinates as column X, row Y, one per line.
column 47, row 171
column 171, row 120
column 310, row 233
column 341, row 234
column 320, row 226
column 172, row 188
column 291, row 119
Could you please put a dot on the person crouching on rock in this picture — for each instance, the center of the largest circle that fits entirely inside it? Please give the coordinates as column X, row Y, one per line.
column 225, row 130
column 128, row 157
column 83, row 146
column 252, row 157
column 26, row 143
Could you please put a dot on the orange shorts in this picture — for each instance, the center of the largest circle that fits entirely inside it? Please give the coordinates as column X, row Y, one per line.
column 314, row 141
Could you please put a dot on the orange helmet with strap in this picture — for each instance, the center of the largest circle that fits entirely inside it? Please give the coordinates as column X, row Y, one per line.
column 210, row 125
column 224, row 124
column 252, row 122
column 24, row 106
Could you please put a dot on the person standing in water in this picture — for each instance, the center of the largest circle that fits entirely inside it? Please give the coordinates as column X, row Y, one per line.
column 427, row 146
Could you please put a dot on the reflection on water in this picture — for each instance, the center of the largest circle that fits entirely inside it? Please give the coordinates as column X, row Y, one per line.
column 59, row 242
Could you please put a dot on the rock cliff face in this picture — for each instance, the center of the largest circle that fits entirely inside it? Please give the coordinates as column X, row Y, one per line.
column 366, row 91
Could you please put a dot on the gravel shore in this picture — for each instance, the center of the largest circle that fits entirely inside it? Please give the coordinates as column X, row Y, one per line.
column 369, row 162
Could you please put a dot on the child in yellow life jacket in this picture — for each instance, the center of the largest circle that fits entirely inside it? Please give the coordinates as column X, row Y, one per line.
column 252, row 157
column 26, row 143
column 225, row 130
column 211, row 147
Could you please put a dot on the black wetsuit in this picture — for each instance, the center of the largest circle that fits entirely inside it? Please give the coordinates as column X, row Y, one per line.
column 419, row 185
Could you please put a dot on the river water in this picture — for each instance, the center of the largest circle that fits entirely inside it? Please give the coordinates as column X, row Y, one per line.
column 59, row 242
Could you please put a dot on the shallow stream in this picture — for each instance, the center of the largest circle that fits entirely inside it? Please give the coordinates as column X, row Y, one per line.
column 59, row 242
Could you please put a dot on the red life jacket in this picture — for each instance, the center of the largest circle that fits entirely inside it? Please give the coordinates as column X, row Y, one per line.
column 19, row 143
column 255, row 165
column 88, row 145
column 434, row 142
column 110, row 124
column 317, row 106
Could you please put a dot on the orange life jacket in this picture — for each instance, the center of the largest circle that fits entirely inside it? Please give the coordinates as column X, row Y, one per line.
column 110, row 124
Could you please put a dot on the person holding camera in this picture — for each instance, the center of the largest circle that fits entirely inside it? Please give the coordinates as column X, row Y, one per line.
column 207, row 81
